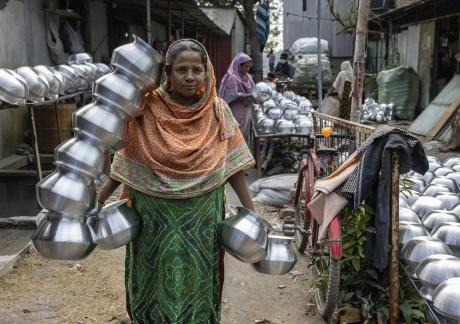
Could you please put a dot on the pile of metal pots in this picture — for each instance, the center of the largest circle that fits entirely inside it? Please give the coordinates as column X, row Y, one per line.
column 39, row 83
column 72, row 226
column 380, row 113
column 249, row 238
column 278, row 113
column 429, row 232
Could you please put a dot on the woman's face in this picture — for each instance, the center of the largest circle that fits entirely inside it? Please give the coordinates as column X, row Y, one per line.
column 246, row 67
column 187, row 75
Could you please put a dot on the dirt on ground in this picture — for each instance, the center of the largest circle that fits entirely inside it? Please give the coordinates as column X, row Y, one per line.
column 92, row 290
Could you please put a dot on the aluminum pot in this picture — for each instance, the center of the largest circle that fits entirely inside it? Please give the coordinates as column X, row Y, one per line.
column 140, row 62
column 79, row 58
column 442, row 171
column 428, row 176
column 102, row 123
column 408, row 230
column 432, row 166
column 36, row 84
column 53, row 82
column 418, row 184
column 117, row 225
column 280, row 258
column 244, row 236
column 456, row 168
column 456, row 210
column 419, row 248
column 449, row 200
column 403, row 203
column 304, row 126
column 409, row 196
column 425, row 204
column 66, row 191
column 274, row 113
column 449, row 233
column 261, row 93
column 305, row 107
column 446, row 299
column 64, row 236
column 63, row 81
column 117, row 90
column 84, row 156
column 13, row 88
column 436, row 217
column 451, row 162
column 432, row 159
column 433, row 189
column 73, row 79
column 84, row 77
column 446, row 181
column 267, row 126
column 434, row 269
column 285, row 126
column 454, row 176
column 103, row 68
column 408, row 215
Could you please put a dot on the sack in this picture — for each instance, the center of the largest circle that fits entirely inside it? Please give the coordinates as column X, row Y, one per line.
column 306, row 69
column 331, row 106
column 74, row 40
column 274, row 190
column 55, row 47
column 309, row 45
column 400, row 86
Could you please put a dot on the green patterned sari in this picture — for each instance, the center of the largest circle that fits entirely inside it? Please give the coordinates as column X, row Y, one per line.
column 172, row 268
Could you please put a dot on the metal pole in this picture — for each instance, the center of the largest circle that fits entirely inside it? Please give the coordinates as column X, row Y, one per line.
column 148, row 24
column 170, row 40
column 394, row 254
column 34, row 137
column 320, row 78
column 56, row 114
column 182, row 27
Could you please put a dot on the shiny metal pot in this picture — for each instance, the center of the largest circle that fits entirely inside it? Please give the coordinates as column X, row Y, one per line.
column 64, row 236
column 280, row 258
column 274, row 113
column 409, row 230
column 36, row 84
column 446, row 299
column 409, row 196
column 407, row 214
column 63, row 81
column 285, row 126
column 85, row 77
column 456, row 210
column 84, row 156
column 442, row 171
column 436, row 217
column 116, row 90
column 103, row 68
column 73, row 79
column 454, row 176
column 66, row 191
column 79, row 58
column 433, row 189
column 291, row 112
column 13, row 88
column 449, row 200
column 432, row 166
column 446, row 181
column 432, row 159
column 418, row 184
column 102, row 123
column 304, row 126
column 267, row 126
column 421, row 247
column 244, row 236
column 140, row 62
column 451, row 162
column 117, row 225
column 434, row 269
column 456, row 168
column 425, row 204
column 449, row 233
column 53, row 82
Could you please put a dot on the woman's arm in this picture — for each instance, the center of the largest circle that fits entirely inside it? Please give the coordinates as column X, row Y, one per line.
column 107, row 189
column 238, row 183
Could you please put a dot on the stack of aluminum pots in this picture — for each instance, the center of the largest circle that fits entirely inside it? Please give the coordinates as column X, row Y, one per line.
column 68, row 196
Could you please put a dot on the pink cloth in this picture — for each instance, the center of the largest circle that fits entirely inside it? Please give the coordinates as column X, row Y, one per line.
column 236, row 82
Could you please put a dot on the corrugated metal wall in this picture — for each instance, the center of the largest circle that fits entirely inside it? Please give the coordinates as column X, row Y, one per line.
column 340, row 45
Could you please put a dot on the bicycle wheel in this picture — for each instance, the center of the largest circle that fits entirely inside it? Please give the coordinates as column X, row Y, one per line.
column 301, row 211
column 327, row 275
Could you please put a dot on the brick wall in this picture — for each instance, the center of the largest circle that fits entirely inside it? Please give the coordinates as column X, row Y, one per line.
column 402, row 3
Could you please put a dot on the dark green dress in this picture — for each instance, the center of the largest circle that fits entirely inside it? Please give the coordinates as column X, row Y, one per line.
column 172, row 268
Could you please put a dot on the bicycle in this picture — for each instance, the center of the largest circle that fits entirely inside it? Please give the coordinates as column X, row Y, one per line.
column 325, row 255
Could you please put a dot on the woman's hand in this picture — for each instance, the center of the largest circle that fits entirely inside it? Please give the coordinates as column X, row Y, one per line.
column 107, row 190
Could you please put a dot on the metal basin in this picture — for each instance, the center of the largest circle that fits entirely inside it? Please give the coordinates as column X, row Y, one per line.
column 446, row 299
column 432, row 166
column 274, row 113
column 456, row 168
column 454, row 176
column 449, row 233
column 449, row 200
column 409, row 196
column 436, row 217
column 267, row 126
column 446, row 181
column 285, row 126
column 53, row 82
column 140, row 62
column 425, row 205
column 281, row 257
column 434, row 269
column 418, row 248
column 13, row 88
column 442, row 171
column 84, row 77
column 403, row 203
column 118, row 91
column 244, row 236
column 408, row 230
column 418, row 184
column 408, row 215
column 304, row 126
column 66, row 191
column 428, row 176
column 290, row 111
column 64, row 236
column 456, row 210
column 102, row 123
column 84, row 156
column 451, row 162
column 73, row 79
column 63, row 81
column 79, row 58
column 36, row 84
column 432, row 159
column 305, row 107
column 435, row 189
column 103, row 68
column 117, row 225
column 262, row 92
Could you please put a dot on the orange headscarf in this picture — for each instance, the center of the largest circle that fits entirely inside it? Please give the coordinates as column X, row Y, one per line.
column 177, row 151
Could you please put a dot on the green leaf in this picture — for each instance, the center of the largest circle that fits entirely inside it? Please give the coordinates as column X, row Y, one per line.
column 356, row 264
column 407, row 312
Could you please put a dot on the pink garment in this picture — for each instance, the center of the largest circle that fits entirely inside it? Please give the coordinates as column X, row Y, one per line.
column 236, row 82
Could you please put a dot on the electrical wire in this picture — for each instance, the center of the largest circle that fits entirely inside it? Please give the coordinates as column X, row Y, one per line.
column 307, row 17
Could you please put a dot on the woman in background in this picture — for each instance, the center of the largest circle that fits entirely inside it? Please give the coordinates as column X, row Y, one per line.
column 236, row 89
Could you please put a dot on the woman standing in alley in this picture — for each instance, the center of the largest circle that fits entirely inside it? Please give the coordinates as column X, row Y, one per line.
column 182, row 151
column 236, row 89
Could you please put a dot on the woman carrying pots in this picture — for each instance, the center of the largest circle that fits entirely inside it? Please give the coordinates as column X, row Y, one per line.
column 183, row 150
column 236, row 89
